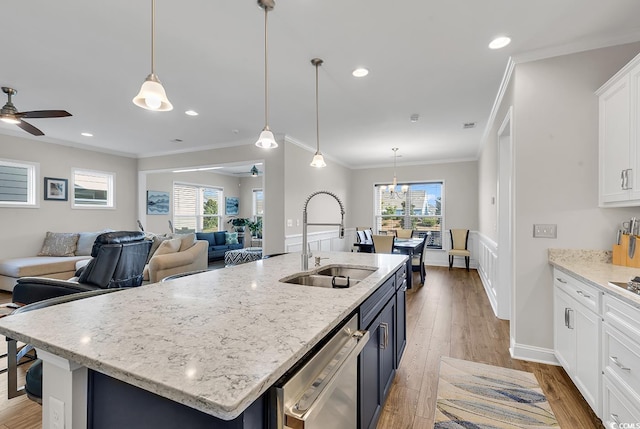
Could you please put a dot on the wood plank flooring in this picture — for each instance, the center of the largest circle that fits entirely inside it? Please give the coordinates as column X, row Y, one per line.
column 449, row 316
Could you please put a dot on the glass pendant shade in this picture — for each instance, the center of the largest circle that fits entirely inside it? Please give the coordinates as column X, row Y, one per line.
column 152, row 95
column 318, row 161
column 266, row 139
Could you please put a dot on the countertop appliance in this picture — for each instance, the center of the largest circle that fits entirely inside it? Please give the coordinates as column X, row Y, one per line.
column 323, row 393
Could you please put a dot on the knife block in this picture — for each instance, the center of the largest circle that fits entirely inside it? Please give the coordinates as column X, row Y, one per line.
column 621, row 253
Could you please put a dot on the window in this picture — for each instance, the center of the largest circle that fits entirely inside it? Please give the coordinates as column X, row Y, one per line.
column 93, row 189
column 196, row 208
column 258, row 203
column 18, row 183
column 418, row 208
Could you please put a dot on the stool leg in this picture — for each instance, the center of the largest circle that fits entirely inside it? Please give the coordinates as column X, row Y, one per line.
column 466, row 262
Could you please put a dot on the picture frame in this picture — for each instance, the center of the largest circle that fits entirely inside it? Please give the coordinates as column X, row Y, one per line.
column 56, row 189
column 231, row 205
column 157, row 203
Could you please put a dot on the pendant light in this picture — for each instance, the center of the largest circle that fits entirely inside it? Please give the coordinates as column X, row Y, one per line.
column 318, row 159
column 266, row 139
column 152, row 95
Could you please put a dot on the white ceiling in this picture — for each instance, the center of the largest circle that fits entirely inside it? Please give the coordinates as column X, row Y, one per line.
column 425, row 57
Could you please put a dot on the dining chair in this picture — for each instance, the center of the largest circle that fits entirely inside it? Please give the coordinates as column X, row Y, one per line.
column 417, row 261
column 383, row 243
column 404, row 233
column 361, row 236
column 459, row 241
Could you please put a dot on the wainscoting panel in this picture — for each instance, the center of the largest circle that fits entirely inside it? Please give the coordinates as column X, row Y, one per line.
column 488, row 268
column 323, row 241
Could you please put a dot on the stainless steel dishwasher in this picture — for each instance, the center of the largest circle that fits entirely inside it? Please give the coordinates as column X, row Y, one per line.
column 323, row 393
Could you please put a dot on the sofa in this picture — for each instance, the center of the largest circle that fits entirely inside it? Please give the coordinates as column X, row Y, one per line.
column 219, row 243
column 62, row 254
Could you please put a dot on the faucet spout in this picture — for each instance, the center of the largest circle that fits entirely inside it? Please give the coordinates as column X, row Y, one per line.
column 306, row 254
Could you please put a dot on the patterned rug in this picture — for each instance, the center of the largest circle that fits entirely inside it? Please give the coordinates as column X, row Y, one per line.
column 477, row 396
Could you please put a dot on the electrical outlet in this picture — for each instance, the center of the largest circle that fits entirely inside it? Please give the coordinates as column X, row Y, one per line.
column 289, row 222
column 545, row 231
column 56, row 413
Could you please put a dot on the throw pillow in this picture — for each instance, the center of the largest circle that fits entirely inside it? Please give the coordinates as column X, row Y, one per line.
column 188, row 240
column 231, row 238
column 168, row 246
column 157, row 241
column 59, row 244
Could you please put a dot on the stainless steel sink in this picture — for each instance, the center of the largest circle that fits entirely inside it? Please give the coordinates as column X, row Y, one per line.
column 321, row 281
column 333, row 276
column 347, row 271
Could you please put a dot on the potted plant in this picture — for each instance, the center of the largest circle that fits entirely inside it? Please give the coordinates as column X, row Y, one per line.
column 239, row 223
column 255, row 227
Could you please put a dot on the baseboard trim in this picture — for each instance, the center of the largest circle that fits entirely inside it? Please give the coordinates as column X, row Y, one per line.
column 533, row 354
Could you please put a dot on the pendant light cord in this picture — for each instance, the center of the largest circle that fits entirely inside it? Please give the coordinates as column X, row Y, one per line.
column 317, row 111
column 266, row 73
column 153, row 37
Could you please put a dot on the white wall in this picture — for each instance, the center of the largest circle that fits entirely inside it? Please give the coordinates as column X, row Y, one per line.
column 164, row 182
column 25, row 228
column 460, row 198
column 556, row 166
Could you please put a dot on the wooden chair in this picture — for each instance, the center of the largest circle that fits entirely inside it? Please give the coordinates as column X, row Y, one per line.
column 404, row 233
column 459, row 241
column 417, row 261
column 383, row 243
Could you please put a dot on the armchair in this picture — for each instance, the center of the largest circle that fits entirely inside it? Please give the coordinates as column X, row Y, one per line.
column 118, row 261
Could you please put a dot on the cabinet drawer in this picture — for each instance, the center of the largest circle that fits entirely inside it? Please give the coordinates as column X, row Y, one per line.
column 585, row 294
column 401, row 276
column 621, row 358
column 623, row 316
column 617, row 408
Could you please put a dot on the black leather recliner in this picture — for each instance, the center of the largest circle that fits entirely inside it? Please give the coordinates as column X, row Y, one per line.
column 118, row 261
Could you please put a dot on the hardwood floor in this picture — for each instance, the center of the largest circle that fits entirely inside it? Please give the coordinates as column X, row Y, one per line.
column 449, row 316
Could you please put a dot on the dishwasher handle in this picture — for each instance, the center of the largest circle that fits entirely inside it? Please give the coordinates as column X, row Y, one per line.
column 312, row 396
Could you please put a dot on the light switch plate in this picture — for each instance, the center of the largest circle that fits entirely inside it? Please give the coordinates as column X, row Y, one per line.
column 545, row 230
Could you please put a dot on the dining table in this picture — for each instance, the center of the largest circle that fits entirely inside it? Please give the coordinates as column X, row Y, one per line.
column 408, row 246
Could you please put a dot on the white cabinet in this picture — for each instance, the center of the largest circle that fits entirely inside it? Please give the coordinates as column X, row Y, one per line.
column 619, row 138
column 577, row 332
column 621, row 362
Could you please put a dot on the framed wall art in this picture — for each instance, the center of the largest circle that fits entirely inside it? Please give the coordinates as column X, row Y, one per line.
column 231, row 205
column 157, row 203
column 56, row 189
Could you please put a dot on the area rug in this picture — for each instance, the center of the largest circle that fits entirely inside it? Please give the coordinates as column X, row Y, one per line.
column 478, row 396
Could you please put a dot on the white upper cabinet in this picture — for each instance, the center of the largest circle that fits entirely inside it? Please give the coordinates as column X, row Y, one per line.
column 619, row 139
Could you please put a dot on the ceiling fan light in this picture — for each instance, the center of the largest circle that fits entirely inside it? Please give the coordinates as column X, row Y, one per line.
column 266, row 139
column 10, row 120
column 254, row 171
column 318, row 160
column 152, row 96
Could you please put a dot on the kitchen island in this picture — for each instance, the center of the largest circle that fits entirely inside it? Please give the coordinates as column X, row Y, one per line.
column 214, row 342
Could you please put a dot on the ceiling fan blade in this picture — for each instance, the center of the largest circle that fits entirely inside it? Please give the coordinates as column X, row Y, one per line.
column 44, row 114
column 30, row 128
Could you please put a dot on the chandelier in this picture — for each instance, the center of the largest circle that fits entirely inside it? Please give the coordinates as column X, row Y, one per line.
column 394, row 184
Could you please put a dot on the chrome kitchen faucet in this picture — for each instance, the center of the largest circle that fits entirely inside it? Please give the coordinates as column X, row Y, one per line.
column 306, row 254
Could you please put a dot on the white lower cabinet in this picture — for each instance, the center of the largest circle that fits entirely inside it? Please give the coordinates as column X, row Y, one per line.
column 620, row 362
column 577, row 335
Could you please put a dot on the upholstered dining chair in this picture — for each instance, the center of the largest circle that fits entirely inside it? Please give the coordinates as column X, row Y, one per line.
column 417, row 261
column 404, row 233
column 383, row 243
column 459, row 242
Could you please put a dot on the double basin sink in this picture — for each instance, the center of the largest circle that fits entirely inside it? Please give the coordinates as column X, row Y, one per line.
column 331, row 276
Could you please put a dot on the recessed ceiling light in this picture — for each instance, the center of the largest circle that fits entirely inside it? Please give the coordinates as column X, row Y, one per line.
column 86, row 134
column 360, row 72
column 191, row 113
column 499, row 42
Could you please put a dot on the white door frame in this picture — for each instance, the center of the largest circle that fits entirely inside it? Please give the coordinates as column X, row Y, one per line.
column 506, row 179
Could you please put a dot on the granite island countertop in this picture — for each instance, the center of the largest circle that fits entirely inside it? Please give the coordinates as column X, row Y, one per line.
column 595, row 268
column 213, row 341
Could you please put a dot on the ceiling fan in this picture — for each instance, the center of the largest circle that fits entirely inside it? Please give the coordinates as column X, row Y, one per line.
column 10, row 114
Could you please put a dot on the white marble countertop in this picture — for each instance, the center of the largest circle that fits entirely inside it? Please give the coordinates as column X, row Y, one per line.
column 213, row 341
column 594, row 267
